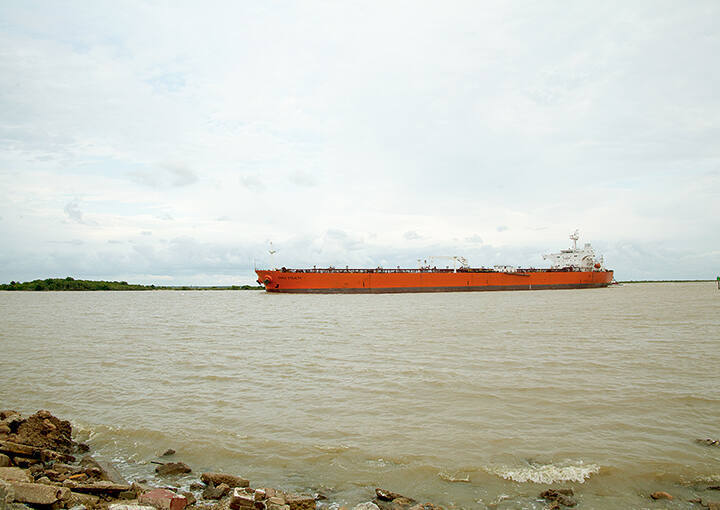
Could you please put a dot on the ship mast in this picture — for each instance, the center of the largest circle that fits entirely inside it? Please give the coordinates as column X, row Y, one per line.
column 574, row 237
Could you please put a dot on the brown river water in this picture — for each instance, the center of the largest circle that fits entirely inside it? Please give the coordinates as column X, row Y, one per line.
column 601, row 390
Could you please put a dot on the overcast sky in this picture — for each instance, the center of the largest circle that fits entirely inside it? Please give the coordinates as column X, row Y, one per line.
column 171, row 142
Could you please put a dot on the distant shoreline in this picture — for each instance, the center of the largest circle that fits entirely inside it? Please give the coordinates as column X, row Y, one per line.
column 71, row 284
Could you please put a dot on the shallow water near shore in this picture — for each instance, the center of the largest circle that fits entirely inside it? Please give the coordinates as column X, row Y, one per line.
column 602, row 390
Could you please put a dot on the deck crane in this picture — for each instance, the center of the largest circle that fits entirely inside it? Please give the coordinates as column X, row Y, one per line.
column 455, row 258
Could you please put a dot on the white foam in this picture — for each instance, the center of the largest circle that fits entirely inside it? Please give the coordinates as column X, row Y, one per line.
column 450, row 478
column 546, row 473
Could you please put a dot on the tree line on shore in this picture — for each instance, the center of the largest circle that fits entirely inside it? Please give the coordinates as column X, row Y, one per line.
column 71, row 283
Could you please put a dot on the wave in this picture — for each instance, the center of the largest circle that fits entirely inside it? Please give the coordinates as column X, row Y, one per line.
column 546, row 473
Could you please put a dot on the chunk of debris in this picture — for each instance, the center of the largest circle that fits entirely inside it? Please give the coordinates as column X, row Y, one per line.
column 660, row 495
column 163, row 499
column 230, row 480
column 173, row 468
column 560, row 496
column 39, row 494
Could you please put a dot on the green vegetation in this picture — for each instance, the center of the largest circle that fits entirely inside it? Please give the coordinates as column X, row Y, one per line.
column 70, row 283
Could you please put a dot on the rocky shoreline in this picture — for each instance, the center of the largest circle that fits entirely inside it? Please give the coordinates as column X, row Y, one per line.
column 43, row 468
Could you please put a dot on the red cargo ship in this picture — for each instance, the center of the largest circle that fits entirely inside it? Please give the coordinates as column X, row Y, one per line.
column 570, row 269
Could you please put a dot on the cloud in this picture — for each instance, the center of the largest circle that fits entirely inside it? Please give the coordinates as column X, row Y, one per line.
column 72, row 211
column 411, row 235
column 252, row 182
column 164, row 175
column 475, row 238
column 303, row 178
column 181, row 174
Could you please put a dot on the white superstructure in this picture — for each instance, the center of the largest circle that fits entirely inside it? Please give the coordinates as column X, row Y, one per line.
column 583, row 258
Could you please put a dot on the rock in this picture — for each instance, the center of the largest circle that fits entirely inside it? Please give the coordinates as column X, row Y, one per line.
column 52, row 475
column 241, row 500
column 4, row 429
column 709, row 442
column 386, row 495
column 36, row 468
column 43, row 430
column 32, row 452
column 127, row 495
column 276, row 500
column 173, row 468
column 368, row 505
column 44, row 480
column 25, row 462
column 39, row 494
column 15, row 474
column 713, row 505
column 713, row 488
column 230, row 480
column 4, row 460
column 140, row 487
column 271, row 493
column 163, row 499
column 86, row 500
column 212, row 492
column 101, row 470
column 196, row 486
column 426, row 506
column 300, row 502
column 102, row 487
column 93, row 472
column 168, row 452
column 7, row 494
column 123, row 506
column 189, row 496
column 561, row 496
column 660, row 495
column 82, row 448
column 63, row 468
column 110, row 473
column 70, row 484
column 403, row 502
column 12, row 422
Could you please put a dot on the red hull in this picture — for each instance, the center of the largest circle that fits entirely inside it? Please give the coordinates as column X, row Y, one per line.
column 414, row 280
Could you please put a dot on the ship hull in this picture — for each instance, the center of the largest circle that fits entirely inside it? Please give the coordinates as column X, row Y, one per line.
column 406, row 281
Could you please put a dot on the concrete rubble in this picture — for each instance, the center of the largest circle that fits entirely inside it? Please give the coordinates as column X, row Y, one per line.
column 559, row 497
column 42, row 468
